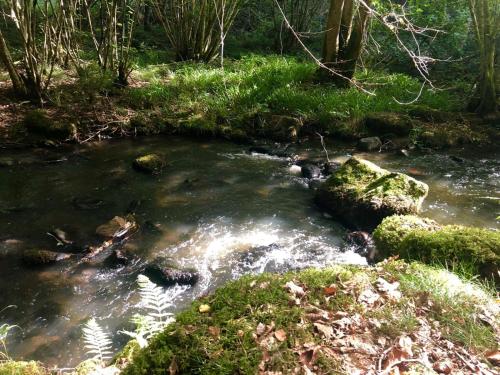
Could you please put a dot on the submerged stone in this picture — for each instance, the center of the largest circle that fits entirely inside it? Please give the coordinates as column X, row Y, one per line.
column 416, row 238
column 167, row 274
column 113, row 227
column 37, row 257
column 151, row 163
column 361, row 194
column 311, row 171
column 370, row 144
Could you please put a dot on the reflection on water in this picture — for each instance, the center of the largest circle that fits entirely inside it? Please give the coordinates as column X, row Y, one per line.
column 215, row 208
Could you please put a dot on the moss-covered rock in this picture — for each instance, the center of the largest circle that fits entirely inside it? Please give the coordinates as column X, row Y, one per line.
column 151, row 163
column 361, row 194
column 38, row 122
column 410, row 237
column 22, row 368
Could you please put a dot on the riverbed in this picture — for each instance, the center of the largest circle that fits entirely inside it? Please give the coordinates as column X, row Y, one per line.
column 216, row 208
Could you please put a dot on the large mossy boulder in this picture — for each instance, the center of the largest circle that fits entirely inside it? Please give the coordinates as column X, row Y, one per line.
column 150, row 163
column 361, row 194
column 414, row 238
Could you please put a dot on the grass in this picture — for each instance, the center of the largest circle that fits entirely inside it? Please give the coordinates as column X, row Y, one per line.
column 261, row 85
column 228, row 340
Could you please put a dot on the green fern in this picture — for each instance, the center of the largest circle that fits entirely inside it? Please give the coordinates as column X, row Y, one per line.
column 156, row 301
column 97, row 341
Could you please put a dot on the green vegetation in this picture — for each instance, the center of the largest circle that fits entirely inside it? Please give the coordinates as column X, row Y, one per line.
column 22, row 368
column 247, row 92
column 272, row 322
column 456, row 247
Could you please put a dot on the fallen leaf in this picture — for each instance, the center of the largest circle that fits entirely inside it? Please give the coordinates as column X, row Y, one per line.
column 368, row 297
column 325, row 330
column 214, row 331
column 280, row 335
column 204, row 309
column 443, row 367
column 294, row 289
column 389, row 289
column 331, row 290
column 261, row 328
column 494, row 357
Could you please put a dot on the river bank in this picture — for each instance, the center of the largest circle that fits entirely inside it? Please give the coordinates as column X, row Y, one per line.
column 268, row 97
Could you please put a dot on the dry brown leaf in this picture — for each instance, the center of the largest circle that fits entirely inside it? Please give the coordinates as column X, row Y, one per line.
column 443, row 367
column 494, row 357
column 214, row 331
column 325, row 330
column 331, row 290
column 280, row 335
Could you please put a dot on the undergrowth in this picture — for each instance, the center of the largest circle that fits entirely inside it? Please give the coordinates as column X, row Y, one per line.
column 312, row 318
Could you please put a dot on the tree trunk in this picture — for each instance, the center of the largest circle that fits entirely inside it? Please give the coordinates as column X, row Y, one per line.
column 485, row 17
column 6, row 59
column 343, row 40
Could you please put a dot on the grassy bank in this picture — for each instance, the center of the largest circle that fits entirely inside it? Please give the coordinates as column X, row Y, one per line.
column 256, row 96
column 331, row 321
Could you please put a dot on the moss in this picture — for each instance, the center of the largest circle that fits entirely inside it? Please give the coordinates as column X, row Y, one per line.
column 22, row 368
column 388, row 123
column 410, row 237
column 127, row 354
column 151, row 163
column 223, row 341
column 389, row 234
column 362, row 193
column 39, row 123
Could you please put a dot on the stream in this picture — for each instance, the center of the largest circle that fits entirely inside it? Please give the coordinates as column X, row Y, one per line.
column 216, row 208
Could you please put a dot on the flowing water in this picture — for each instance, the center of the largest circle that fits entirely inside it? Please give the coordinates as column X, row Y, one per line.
column 218, row 209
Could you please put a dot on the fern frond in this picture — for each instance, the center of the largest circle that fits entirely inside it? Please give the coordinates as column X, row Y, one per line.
column 157, row 301
column 97, row 342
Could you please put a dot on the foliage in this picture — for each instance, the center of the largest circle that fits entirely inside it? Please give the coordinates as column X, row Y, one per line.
column 247, row 90
column 156, row 301
column 97, row 341
column 475, row 249
column 22, row 368
column 274, row 322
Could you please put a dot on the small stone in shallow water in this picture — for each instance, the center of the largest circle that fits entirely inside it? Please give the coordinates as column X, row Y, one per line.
column 311, row 171
column 295, row 169
column 169, row 275
column 151, row 163
column 370, row 144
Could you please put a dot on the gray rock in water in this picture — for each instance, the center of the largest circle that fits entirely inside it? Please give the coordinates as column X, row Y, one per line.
column 38, row 257
column 311, row 171
column 370, row 144
column 166, row 274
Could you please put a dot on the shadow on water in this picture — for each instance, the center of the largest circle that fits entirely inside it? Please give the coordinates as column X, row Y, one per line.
column 215, row 208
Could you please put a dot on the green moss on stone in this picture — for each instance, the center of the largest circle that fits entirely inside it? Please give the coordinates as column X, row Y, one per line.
column 410, row 237
column 363, row 194
column 389, row 234
column 151, row 163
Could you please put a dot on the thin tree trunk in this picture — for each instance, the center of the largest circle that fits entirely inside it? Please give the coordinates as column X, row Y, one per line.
column 6, row 59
